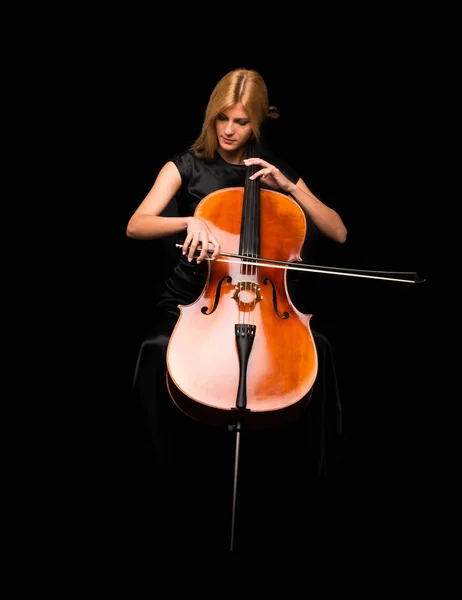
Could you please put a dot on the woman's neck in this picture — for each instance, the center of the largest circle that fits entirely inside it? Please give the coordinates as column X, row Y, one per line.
column 234, row 158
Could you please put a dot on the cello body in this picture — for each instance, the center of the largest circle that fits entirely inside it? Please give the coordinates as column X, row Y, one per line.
column 242, row 352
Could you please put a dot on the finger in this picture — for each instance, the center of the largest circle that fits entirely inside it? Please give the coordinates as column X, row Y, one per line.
column 192, row 251
column 186, row 244
column 216, row 249
column 193, row 246
column 203, row 252
column 255, row 161
column 257, row 174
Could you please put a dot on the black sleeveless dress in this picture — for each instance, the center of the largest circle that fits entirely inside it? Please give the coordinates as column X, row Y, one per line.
column 192, row 463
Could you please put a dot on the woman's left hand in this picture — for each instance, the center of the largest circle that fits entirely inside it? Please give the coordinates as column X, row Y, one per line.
column 269, row 174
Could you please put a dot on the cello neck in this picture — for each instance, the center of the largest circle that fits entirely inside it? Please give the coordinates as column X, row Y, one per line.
column 250, row 242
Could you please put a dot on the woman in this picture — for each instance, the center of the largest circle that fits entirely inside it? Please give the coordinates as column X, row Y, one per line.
column 194, row 459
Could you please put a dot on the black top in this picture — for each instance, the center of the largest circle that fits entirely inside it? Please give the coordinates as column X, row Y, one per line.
column 202, row 177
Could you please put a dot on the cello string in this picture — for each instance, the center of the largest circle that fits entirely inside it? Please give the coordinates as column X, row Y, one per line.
column 249, row 242
column 254, row 249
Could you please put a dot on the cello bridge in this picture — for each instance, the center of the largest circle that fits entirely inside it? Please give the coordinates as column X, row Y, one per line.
column 247, row 293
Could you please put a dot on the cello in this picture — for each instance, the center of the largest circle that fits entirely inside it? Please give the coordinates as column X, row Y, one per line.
column 242, row 352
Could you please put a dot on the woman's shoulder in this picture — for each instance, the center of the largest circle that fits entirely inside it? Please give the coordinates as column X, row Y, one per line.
column 185, row 162
column 184, row 156
column 190, row 165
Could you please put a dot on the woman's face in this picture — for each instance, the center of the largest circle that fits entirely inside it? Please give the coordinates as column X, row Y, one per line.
column 233, row 128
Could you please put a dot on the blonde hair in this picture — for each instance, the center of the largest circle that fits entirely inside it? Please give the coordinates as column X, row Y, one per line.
column 240, row 85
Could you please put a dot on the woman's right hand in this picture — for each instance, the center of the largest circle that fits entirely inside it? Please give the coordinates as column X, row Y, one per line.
column 199, row 237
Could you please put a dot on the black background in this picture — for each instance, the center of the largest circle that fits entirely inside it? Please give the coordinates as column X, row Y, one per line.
column 350, row 99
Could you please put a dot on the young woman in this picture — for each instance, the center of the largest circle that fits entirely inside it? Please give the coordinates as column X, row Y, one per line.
column 194, row 460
